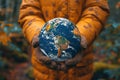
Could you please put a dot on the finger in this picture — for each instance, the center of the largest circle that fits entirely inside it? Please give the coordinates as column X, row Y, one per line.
column 44, row 59
column 83, row 42
column 74, row 61
column 63, row 67
column 58, row 67
column 70, row 62
column 35, row 41
column 53, row 65
column 38, row 52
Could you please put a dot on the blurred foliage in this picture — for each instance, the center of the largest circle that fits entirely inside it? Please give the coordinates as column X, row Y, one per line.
column 107, row 46
column 14, row 59
column 15, row 52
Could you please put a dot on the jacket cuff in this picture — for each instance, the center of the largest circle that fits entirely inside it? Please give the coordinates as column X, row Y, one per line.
column 32, row 30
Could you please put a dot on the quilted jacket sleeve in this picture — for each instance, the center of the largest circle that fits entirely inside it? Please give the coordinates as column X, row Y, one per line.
column 93, row 18
column 30, row 18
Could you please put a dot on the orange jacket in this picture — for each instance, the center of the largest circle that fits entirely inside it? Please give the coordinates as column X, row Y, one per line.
column 88, row 15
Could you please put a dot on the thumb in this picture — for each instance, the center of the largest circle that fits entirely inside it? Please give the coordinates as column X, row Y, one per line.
column 83, row 42
column 41, row 57
column 35, row 41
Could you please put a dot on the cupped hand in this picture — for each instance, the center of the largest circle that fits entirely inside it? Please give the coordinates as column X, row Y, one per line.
column 78, row 57
column 41, row 57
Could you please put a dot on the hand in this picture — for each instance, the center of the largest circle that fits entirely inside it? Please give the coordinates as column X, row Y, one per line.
column 45, row 60
column 35, row 41
column 75, row 60
column 42, row 58
column 64, row 66
column 83, row 39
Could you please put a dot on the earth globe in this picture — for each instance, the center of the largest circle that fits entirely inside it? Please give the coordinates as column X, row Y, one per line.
column 58, row 39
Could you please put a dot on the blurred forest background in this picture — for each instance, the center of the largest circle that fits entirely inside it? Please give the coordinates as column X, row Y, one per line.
column 15, row 51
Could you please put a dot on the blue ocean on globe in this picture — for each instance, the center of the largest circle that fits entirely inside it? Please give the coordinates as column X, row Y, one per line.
column 58, row 41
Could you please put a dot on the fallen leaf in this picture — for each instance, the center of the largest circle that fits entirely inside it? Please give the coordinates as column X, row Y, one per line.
column 4, row 39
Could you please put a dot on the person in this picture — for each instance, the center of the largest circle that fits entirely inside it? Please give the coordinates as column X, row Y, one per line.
column 89, row 16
